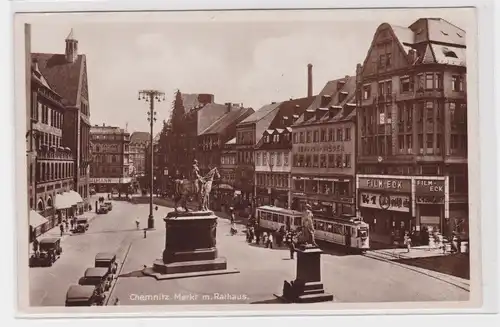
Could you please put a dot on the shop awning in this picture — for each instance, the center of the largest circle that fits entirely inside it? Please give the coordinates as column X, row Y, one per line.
column 75, row 197
column 36, row 219
column 63, row 201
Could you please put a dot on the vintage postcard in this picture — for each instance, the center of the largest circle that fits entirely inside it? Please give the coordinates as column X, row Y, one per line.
column 296, row 161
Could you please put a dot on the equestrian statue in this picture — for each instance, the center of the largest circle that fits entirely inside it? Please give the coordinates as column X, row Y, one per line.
column 199, row 186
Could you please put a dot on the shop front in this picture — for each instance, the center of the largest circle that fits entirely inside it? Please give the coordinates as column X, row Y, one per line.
column 430, row 205
column 385, row 204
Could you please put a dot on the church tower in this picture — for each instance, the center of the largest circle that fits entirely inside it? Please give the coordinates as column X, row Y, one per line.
column 71, row 47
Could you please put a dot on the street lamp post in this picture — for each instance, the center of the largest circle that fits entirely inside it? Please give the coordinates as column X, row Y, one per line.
column 151, row 96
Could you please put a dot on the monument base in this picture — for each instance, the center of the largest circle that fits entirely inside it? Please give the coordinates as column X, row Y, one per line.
column 190, row 247
column 307, row 287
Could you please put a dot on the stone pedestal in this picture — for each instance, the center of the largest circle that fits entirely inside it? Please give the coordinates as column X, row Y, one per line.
column 307, row 287
column 190, row 247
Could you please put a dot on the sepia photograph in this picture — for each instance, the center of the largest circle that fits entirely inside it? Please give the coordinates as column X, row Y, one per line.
column 245, row 159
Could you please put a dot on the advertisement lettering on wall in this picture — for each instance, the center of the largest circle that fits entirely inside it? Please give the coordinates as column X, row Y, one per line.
column 399, row 203
column 395, row 185
column 429, row 187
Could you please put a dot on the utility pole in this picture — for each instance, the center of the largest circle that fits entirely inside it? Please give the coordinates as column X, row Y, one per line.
column 151, row 96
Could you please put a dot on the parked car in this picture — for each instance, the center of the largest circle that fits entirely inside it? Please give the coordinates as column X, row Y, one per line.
column 106, row 260
column 49, row 250
column 84, row 296
column 82, row 225
column 103, row 209
column 109, row 205
column 98, row 277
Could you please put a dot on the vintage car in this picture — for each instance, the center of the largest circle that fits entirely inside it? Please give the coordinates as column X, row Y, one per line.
column 49, row 250
column 99, row 277
column 84, row 296
column 109, row 205
column 82, row 225
column 103, row 209
column 106, row 260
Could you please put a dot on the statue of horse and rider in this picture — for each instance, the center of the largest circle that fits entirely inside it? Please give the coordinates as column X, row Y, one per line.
column 198, row 186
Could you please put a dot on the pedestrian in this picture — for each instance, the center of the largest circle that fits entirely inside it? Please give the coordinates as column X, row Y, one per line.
column 117, row 302
column 257, row 234
column 137, row 222
column 35, row 246
column 61, row 228
column 291, row 244
column 72, row 224
column 66, row 224
column 270, row 241
column 145, row 233
column 407, row 241
column 232, row 218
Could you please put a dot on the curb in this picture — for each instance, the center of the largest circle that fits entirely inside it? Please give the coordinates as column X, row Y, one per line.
column 455, row 281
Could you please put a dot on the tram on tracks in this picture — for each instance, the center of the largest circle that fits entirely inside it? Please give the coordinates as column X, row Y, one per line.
column 348, row 231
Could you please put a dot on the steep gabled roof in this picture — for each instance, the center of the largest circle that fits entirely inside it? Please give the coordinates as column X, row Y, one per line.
column 261, row 113
column 443, row 31
column 233, row 117
column 139, row 137
column 62, row 76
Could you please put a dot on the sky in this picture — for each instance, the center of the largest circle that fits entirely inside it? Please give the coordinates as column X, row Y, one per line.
column 240, row 57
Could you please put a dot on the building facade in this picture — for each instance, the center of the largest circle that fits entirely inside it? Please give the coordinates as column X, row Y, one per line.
column 67, row 75
column 225, row 187
column 323, row 164
column 137, row 152
column 412, row 121
column 273, row 155
column 110, row 168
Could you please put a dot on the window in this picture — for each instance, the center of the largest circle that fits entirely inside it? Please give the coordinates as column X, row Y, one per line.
column 405, row 83
column 388, row 60
column 308, row 161
column 285, row 159
column 264, row 159
column 430, row 143
column 322, row 163
column 421, row 143
column 439, row 79
column 367, row 91
column 338, row 161
column 331, row 161
column 381, row 88
column 316, row 136
column 278, row 159
column 331, row 135
column 347, row 133
column 301, row 139
column 429, row 81
column 347, row 161
column 295, row 138
column 323, row 135
column 401, row 143
column 339, row 134
column 382, row 61
column 315, row 160
column 429, row 111
column 257, row 159
column 309, row 137
column 388, row 88
column 448, row 53
column 456, row 83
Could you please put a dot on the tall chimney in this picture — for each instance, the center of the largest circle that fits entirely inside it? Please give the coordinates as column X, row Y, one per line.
column 309, row 80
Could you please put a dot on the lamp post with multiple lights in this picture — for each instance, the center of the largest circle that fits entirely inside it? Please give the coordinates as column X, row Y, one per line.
column 151, row 96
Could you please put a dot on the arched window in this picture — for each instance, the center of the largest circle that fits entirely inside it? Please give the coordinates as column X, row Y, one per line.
column 40, row 206
column 49, row 202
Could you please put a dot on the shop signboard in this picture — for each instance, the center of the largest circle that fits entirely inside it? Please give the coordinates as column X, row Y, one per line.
column 385, row 184
column 104, row 180
column 429, row 220
column 391, row 202
column 429, row 187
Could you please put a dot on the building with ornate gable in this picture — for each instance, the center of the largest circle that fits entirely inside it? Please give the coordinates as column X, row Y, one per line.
column 412, row 130
column 66, row 74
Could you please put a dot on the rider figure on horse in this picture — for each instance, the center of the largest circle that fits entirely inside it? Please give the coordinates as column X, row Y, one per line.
column 197, row 179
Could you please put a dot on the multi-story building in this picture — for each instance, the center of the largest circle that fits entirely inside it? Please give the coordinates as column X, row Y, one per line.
column 273, row 155
column 412, row 130
column 52, row 172
column 248, row 134
column 323, row 163
column 225, row 187
column 110, row 168
column 67, row 76
column 137, row 152
column 215, row 136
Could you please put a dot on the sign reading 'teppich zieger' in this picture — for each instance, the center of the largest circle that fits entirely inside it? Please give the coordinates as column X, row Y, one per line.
column 385, row 184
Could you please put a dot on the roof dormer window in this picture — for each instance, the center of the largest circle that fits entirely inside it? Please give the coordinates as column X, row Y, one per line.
column 459, row 35
column 444, row 33
column 448, row 53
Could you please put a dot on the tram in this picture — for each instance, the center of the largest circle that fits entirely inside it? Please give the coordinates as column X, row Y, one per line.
column 348, row 231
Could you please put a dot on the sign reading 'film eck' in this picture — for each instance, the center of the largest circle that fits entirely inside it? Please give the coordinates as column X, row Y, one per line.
column 385, row 184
